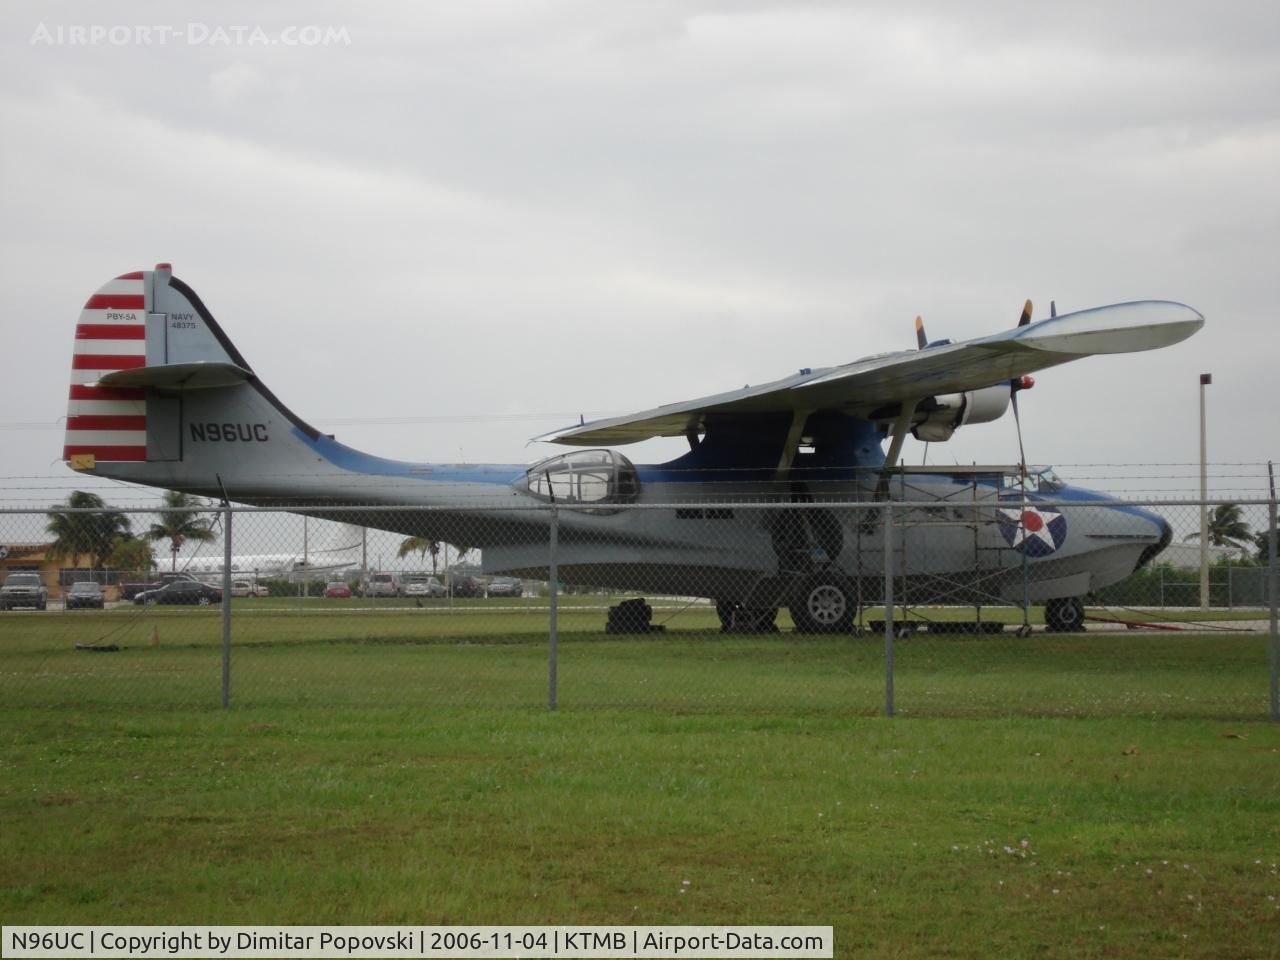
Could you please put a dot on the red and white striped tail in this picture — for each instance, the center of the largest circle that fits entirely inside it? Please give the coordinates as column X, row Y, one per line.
column 105, row 424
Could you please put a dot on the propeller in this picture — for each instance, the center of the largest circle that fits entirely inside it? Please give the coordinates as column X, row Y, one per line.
column 922, row 341
column 1023, row 383
column 1016, row 385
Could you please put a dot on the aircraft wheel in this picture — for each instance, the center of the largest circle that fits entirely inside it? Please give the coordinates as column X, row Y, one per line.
column 824, row 604
column 1064, row 615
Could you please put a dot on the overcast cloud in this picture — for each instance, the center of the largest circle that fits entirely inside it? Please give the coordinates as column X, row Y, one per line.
column 472, row 215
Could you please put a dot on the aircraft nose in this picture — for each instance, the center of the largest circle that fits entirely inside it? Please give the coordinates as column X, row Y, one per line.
column 1153, row 551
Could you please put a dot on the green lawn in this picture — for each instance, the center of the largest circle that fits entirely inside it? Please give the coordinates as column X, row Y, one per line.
column 1064, row 796
column 498, row 657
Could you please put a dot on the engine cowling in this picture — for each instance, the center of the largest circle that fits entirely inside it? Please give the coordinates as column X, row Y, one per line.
column 951, row 411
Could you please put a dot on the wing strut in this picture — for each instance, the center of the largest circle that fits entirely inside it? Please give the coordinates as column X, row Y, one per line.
column 900, row 428
column 798, row 420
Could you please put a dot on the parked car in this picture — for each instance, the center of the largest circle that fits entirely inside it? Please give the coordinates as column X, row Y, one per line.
column 248, row 588
column 336, row 588
column 85, row 593
column 130, row 591
column 424, row 587
column 182, row 591
column 462, row 586
column 23, row 590
column 381, row 585
column 505, row 587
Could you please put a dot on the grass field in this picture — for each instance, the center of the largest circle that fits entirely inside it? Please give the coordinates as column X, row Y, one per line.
column 1065, row 796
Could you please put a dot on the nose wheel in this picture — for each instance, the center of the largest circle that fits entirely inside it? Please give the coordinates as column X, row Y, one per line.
column 1064, row 615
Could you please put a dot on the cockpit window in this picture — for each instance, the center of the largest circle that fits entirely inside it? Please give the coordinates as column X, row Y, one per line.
column 1048, row 482
column 598, row 477
column 1039, row 479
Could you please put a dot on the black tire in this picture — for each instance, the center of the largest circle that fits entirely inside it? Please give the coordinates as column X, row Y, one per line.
column 725, row 610
column 204, row 601
column 825, row 603
column 1064, row 615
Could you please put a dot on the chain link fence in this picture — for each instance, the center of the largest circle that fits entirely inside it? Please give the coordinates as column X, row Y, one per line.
column 988, row 603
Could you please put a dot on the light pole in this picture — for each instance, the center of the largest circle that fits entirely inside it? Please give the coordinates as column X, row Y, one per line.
column 1205, row 380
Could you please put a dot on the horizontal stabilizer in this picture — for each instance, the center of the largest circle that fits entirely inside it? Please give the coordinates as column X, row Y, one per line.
column 198, row 375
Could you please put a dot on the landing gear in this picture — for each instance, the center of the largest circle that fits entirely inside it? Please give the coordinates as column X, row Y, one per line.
column 1064, row 615
column 736, row 618
column 824, row 603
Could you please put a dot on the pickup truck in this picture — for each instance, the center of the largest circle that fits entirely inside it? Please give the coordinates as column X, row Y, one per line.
column 247, row 588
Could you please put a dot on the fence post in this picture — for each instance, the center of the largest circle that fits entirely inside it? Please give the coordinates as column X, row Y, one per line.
column 226, row 605
column 1272, row 563
column 888, row 610
column 552, row 593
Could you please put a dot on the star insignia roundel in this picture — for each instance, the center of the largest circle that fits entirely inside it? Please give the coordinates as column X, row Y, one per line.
column 1033, row 530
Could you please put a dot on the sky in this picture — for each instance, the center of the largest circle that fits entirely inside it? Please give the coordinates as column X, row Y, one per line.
column 440, row 229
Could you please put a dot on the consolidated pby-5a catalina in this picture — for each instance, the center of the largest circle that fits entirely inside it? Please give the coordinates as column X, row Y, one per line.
column 160, row 396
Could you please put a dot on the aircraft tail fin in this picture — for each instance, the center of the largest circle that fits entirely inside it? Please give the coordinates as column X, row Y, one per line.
column 141, row 330
column 159, row 394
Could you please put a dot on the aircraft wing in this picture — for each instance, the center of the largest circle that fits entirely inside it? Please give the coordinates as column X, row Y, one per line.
column 911, row 375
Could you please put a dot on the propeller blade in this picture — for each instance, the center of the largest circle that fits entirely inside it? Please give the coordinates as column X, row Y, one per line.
column 1022, row 454
column 1053, row 309
column 921, row 339
column 1026, row 314
column 1025, row 630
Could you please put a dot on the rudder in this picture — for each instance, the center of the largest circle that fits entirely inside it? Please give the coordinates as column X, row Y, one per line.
column 111, row 335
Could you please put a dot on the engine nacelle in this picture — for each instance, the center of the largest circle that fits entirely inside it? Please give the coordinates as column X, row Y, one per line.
column 953, row 410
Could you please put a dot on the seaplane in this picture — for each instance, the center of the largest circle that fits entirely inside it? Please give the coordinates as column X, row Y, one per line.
column 776, row 503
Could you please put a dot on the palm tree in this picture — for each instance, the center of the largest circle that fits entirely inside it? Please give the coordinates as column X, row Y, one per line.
column 421, row 546
column 91, row 534
column 177, row 525
column 131, row 554
column 1226, row 528
column 1262, row 546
